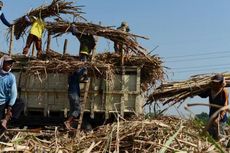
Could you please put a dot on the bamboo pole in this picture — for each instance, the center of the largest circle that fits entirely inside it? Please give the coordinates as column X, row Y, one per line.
column 122, row 57
column 65, row 46
column 86, row 91
column 48, row 42
column 11, row 40
column 33, row 48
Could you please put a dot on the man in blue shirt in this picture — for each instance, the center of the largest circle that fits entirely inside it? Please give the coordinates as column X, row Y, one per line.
column 2, row 16
column 8, row 92
column 74, row 97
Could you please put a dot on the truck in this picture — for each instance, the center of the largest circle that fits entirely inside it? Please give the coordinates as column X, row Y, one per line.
column 46, row 96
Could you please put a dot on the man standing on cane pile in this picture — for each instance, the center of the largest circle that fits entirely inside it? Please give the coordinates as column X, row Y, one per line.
column 87, row 44
column 218, row 95
column 118, row 46
column 36, row 31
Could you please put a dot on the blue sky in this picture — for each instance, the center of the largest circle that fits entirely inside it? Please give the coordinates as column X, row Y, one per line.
column 193, row 36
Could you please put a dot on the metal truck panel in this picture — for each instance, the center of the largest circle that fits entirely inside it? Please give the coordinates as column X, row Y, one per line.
column 48, row 93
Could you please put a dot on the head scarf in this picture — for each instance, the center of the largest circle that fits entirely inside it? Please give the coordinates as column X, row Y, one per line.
column 2, row 59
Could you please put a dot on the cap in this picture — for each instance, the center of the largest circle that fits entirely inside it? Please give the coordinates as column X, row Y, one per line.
column 124, row 24
column 7, row 58
column 34, row 17
column 218, row 78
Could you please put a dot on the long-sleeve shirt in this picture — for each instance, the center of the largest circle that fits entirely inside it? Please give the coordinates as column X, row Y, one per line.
column 3, row 19
column 8, row 89
column 74, row 81
column 87, row 41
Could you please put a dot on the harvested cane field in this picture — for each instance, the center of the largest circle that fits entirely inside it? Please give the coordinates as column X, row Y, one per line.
column 162, row 134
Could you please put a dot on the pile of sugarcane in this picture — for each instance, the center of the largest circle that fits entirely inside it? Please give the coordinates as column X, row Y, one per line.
column 175, row 92
column 164, row 134
column 104, row 65
column 56, row 8
column 125, row 38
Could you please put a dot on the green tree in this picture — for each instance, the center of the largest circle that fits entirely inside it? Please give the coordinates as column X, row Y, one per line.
column 203, row 117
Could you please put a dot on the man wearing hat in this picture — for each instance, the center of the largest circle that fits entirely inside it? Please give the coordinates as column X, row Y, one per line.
column 218, row 95
column 35, row 35
column 8, row 92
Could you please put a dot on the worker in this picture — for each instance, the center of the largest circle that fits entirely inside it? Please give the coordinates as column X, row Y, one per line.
column 218, row 95
column 118, row 46
column 35, row 35
column 74, row 97
column 8, row 92
column 87, row 44
column 2, row 16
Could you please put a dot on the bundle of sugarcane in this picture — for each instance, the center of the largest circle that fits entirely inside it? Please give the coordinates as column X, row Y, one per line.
column 67, row 65
column 152, row 69
column 164, row 134
column 125, row 38
column 54, row 9
column 175, row 92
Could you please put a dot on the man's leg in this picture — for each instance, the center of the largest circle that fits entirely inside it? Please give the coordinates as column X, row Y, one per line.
column 84, row 58
column 76, row 105
column 2, row 115
column 214, row 129
column 2, row 111
column 29, row 41
column 75, row 110
column 18, row 108
column 38, row 44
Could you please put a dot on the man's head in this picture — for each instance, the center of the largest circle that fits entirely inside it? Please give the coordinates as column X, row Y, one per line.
column 7, row 63
column 1, row 4
column 218, row 80
column 124, row 27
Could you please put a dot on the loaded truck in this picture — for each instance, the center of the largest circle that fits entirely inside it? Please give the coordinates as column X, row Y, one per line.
column 46, row 97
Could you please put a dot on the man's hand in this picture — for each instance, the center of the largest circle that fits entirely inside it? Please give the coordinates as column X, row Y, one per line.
column 4, row 124
column 7, row 117
column 9, row 109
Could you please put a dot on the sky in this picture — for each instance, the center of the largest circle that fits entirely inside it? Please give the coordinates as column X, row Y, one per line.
column 191, row 36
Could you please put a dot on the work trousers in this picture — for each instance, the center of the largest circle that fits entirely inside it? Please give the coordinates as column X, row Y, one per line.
column 17, row 109
column 74, row 104
column 38, row 44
